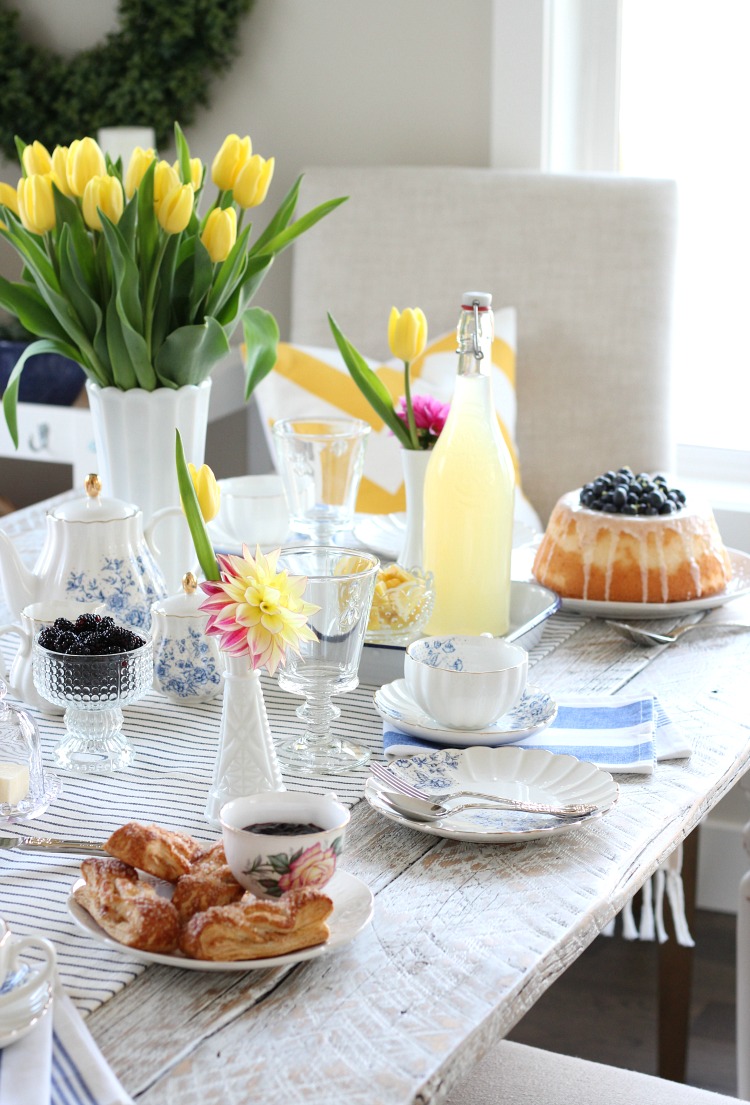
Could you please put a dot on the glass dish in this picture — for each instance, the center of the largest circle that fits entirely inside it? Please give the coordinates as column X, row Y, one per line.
column 403, row 608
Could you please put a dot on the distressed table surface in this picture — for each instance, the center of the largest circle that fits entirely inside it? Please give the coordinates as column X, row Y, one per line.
column 464, row 938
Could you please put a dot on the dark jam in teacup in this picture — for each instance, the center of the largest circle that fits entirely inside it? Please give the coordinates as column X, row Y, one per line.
column 282, row 828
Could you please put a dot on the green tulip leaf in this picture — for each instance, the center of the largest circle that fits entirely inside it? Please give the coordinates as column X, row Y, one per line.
column 68, row 215
column 371, row 386
column 183, row 154
column 188, row 354
column 281, row 219
column 285, row 237
column 230, row 273
column 10, row 395
column 123, row 373
column 202, row 542
column 25, row 302
column 261, row 340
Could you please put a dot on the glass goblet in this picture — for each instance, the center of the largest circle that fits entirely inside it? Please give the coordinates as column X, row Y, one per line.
column 93, row 689
column 341, row 582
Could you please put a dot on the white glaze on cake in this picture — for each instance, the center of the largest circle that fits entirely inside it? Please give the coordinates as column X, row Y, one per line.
column 614, row 557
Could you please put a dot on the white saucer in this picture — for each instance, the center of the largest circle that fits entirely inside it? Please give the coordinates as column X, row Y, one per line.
column 353, row 906
column 19, row 1017
column 531, row 773
column 738, row 586
column 534, row 712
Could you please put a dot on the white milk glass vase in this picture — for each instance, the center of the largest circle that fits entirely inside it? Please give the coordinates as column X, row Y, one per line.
column 414, row 463
column 246, row 759
column 134, row 432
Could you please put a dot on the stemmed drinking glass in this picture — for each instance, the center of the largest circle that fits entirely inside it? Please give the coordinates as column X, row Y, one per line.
column 341, row 582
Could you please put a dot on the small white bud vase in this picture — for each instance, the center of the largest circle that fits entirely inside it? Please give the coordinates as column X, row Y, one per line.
column 414, row 463
column 246, row 760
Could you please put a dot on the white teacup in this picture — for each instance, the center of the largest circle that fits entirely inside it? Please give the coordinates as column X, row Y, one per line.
column 465, row 682
column 11, row 948
column 253, row 510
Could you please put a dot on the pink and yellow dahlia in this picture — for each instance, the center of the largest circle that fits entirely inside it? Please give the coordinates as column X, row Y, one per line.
column 255, row 610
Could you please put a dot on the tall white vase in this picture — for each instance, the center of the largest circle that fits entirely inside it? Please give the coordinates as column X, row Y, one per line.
column 414, row 463
column 134, row 433
column 246, row 760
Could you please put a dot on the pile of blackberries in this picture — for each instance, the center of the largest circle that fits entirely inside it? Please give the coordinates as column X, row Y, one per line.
column 622, row 492
column 89, row 635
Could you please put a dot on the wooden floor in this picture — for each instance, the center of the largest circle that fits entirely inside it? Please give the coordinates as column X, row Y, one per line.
column 604, row 1007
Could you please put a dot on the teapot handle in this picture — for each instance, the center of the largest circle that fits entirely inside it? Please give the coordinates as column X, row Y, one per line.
column 156, row 519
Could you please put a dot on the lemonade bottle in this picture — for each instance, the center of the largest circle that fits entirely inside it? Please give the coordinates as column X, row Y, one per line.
column 468, row 493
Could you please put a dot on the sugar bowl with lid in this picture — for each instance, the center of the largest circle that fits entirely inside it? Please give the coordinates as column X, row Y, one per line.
column 187, row 663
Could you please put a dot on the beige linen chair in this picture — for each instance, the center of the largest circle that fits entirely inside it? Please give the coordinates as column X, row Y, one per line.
column 586, row 261
column 519, row 1075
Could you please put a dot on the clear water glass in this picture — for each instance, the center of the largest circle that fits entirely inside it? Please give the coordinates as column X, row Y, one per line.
column 321, row 462
column 93, row 690
column 341, row 582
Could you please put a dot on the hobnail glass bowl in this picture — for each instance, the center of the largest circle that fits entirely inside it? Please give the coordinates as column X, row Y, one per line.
column 93, row 690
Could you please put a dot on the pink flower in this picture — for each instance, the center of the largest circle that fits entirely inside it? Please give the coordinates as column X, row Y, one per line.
column 314, row 867
column 429, row 417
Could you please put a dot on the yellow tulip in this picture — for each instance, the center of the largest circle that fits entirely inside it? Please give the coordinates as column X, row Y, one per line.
column 8, row 196
column 60, row 168
column 206, row 489
column 253, row 180
column 196, row 172
column 36, row 159
column 234, row 154
column 103, row 193
column 140, row 160
column 36, row 202
column 85, row 160
column 174, row 211
column 407, row 333
column 220, row 233
column 165, row 181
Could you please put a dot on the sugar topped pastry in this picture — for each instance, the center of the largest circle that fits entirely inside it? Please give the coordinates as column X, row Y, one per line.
column 159, row 852
column 128, row 909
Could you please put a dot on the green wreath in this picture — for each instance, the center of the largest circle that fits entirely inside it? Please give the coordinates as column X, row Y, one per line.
column 154, row 68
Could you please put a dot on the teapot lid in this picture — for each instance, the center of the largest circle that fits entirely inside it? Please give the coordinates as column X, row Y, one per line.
column 185, row 603
column 94, row 508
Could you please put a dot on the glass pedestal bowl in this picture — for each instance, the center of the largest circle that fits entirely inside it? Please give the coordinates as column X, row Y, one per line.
column 93, row 689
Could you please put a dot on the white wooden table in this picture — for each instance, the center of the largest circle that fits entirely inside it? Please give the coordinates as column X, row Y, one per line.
column 464, row 938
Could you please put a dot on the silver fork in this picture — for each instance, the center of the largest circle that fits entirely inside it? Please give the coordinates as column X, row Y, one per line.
column 647, row 637
column 385, row 775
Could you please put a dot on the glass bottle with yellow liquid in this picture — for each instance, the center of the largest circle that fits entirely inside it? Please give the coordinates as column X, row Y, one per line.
column 468, row 493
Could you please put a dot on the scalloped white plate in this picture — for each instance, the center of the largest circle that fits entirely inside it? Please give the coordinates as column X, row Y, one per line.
column 527, row 773
column 353, row 906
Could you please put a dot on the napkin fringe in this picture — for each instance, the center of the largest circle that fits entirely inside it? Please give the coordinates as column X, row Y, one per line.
column 666, row 884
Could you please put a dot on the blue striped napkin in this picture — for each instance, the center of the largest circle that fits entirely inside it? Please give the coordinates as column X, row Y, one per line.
column 58, row 1063
column 620, row 734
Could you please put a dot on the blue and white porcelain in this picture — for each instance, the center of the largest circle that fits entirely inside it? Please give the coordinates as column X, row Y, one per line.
column 94, row 552
column 534, row 712
column 187, row 663
column 465, row 682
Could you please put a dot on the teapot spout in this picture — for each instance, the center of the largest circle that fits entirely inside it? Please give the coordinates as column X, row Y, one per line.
column 21, row 586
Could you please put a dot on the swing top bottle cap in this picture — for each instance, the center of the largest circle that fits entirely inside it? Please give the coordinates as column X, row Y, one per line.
column 483, row 300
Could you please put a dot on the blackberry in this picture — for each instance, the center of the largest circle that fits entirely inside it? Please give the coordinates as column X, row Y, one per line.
column 640, row 495
column 91, row 635
column 87, row 621
column 64, row 624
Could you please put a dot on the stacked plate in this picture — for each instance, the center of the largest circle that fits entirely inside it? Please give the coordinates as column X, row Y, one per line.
column 19, row 1014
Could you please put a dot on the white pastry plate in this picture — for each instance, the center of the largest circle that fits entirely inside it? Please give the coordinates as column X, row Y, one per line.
column 738, row 586
column 19, row 1017
column 384, row 533
column 529, row 773
column 534, row 712
column 353, row 906
column 224, row 542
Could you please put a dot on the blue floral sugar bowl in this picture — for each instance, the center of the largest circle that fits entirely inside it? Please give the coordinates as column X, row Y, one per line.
column 187, row 663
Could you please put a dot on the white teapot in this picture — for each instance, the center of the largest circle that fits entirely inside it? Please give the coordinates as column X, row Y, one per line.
column 187, row 662
column 94, row 552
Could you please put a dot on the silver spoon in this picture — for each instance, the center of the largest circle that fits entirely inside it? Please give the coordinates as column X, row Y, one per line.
column 647, row 637
column 422, row 809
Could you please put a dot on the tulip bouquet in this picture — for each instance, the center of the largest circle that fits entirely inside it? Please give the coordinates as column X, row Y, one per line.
column 416, row 421
column 253, row 610
column 124, row 275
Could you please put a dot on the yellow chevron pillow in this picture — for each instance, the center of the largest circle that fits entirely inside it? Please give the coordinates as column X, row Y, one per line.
column 310, row 381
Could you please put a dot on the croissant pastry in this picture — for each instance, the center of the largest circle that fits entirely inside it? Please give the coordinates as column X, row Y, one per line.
column 198, row 891
column 254, row 928
column 130, row 911
column 159, row 852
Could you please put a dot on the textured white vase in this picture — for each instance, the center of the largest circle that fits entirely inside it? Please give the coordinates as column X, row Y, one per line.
column 134, row 432
column 414, row 463
column 246, row 760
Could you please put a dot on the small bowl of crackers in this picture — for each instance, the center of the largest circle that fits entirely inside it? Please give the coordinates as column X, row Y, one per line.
column 401, row 605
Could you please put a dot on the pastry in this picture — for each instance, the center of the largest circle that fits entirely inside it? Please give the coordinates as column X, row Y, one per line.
column 129, row 910
column 159, row 852
column 255, row 928
column 197, row 892
column 626, row 538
